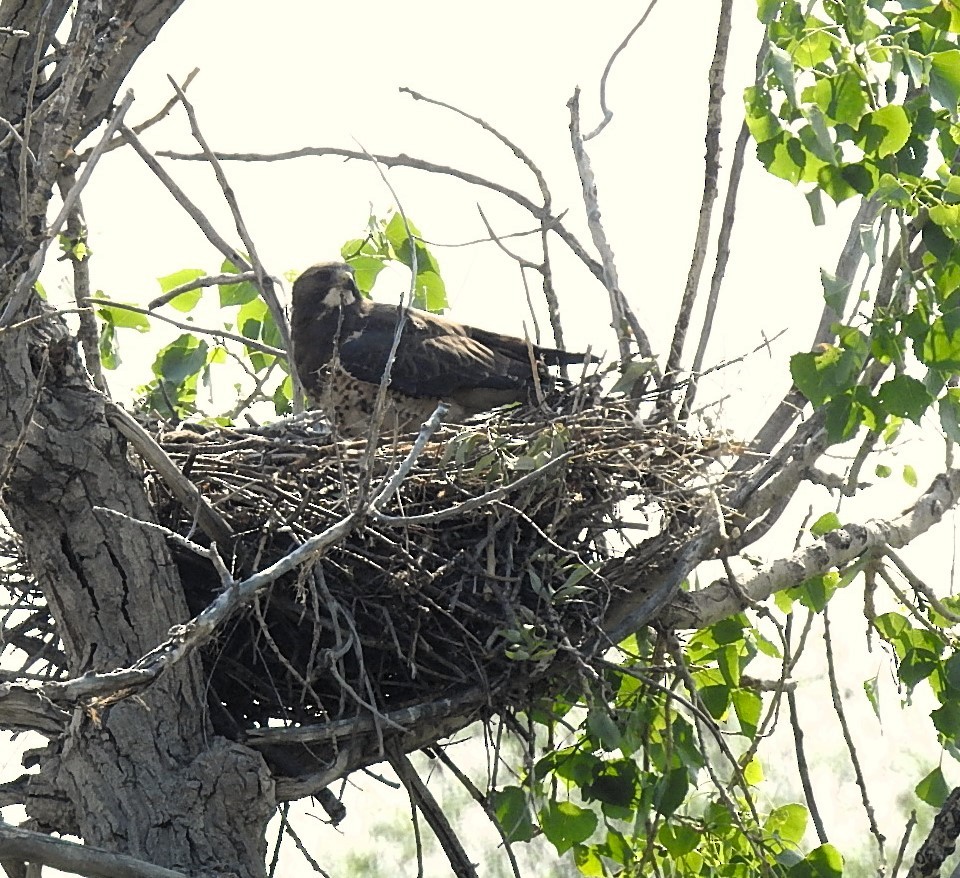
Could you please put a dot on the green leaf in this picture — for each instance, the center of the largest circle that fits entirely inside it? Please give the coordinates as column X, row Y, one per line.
column 186, row 301
column 761, row 121
column 181, row 359
column 933, row 789
column 179, row 278
column 671, row 790
column 825, row 523
column 782, row 64
column 122, row 318
column 822, row 862
column 884, row 131
column 616, row 783
column 748, row 706
column 905, row 397
column 835, row 292
column 871, row 689
column 513, row 813
column 841, row 97
column 107, row 346
column 787, row 823
column 910, row 475
column 883, row 471
column 430, row 293
column 238, row 293
column 949, row 407
column 945, row 78
column 365, row 270
column 784, row 157
column 565, row 824
column 678, row 838
column 603, row 729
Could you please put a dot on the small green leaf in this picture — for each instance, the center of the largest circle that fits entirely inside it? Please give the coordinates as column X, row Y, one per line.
column 782, row 64
column 565, row 824
column 179, row 278
column 883, row 471
column 123, row 318
column 513, row 813
column 788, row 823
column 945, row 78
column 933, row 789
column 905, row 397
column 822, row 862
column 949, row 408
column 884, row 131
column 825, row 523
column 186, row 301
column 871, row 689
column 835, row 292
column 910, row 475
column 236, row 294
column 107, row 346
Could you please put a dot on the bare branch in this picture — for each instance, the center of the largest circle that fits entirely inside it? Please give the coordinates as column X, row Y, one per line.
column 607, row 112
column 29, row 277
column 264, row 280
column 405, row 161
column 710, row 190
column 251, row 343
column 210, row 521
column 68, row 856
column 199, row 283
column 624, row 320
column 833, row 550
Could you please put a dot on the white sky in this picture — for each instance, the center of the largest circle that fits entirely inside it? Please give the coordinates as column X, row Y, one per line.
column 289, row 74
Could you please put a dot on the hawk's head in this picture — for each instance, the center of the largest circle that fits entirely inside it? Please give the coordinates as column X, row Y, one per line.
column 327, row 285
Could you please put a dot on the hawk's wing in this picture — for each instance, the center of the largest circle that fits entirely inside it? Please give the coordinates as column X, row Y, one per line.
column 430, row 361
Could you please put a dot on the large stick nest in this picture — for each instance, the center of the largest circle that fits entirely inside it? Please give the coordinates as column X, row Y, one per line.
column 442, row 597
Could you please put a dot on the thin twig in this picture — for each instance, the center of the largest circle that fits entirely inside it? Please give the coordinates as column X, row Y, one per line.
column 251, row 343
column 848, row 737
column 199, row 283
column 406, row 161
column 624, row 320
column 29, row 277
column 607, row 113
column 710, row 191
column 264, row 280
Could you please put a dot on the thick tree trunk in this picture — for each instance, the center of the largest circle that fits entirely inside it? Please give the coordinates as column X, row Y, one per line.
column 145, row 777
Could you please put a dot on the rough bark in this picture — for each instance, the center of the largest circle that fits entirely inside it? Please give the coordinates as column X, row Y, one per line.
column 145, row 777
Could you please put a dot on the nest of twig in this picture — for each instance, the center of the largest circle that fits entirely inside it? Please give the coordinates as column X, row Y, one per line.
column 441, row 591
column 483, row 568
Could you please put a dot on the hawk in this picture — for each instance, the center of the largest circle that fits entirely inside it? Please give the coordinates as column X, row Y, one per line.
column 342, row 340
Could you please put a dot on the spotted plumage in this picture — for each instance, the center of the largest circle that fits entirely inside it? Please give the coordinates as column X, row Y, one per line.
column 341, row 343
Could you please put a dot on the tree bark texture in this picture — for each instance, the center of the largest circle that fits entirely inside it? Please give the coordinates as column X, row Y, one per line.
column 144, row 777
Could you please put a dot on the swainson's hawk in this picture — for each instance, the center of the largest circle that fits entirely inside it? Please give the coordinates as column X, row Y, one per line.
column 342, row 340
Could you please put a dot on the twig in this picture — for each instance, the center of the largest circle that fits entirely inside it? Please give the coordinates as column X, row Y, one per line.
column 848, row 737
column 429, row 427
column 159, row 116
column 29, row 277
column 406, row 161
column 210, row 521
column 199, row 283
column 710, row 191
column 624, row 319
column 251, row 343
column 264, row 280
column 473, row 502
column 801, row 754
column 76, row 233
column 239, row 262
column 483, row 802
column 58, row 853
column 607, row 113
column 434, row 815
